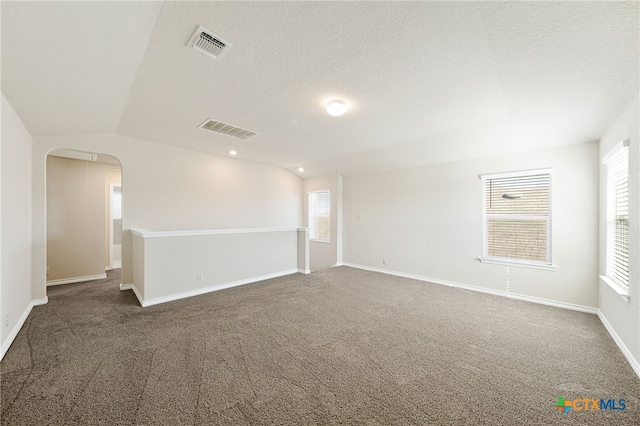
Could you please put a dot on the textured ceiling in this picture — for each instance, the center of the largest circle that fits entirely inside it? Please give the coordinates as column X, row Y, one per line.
column 68, row 67
column 425, row 82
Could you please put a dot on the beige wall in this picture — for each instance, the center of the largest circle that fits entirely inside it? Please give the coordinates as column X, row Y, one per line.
column 326, row 254
column 623, row 316
column 15, row 267
column 167, row 188
column 77, row 217
column 427, row 222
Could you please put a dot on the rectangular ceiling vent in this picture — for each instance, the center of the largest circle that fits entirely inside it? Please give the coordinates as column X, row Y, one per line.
column 227, row 129
column 207, row 43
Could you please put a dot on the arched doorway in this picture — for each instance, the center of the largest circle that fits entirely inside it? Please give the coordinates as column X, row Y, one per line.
column 83, row 225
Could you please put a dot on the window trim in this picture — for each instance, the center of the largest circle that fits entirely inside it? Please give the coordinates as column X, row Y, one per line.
column 621, row 148
column 318, row 240
column 507, row 261
column 618, row 288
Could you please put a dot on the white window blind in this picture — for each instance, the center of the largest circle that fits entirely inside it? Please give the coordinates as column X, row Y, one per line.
column 517, row 217
column 319, row 215
column 617, row 163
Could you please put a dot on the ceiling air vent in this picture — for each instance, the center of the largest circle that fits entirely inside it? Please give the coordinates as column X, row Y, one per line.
column 227, row 129
column 207, row 43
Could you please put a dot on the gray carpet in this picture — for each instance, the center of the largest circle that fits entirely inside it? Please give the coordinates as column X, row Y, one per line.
column 340, row 346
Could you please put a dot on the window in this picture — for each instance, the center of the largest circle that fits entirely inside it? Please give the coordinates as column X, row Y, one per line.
column 319, row 212
column 517, row 218
column 617, row 164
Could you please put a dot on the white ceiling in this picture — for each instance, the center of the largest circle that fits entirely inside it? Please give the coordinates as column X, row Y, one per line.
column 425, row 82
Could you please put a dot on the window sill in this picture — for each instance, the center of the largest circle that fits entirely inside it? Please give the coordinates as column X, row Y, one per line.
column 619, row 289
column 532, row 265
column 319, row 241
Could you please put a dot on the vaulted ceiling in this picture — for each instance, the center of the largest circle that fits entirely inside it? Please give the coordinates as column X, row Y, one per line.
column 424, row 82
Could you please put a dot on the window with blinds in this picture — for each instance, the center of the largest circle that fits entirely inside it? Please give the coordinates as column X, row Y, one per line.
column 319, row 215
column 617, row 164
column 517, row 217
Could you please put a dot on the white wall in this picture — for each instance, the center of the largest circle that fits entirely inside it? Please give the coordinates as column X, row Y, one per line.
column 15, row 288
column 623, row 316
column 174, row 265
column 427, row 222
column 168, row 189
column 326, row 254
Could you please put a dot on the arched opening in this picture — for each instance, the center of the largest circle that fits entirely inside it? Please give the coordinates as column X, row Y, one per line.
column 83, row 219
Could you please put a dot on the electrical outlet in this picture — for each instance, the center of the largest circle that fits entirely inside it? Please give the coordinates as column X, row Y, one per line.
column 199, row 277
column 384, row 261
column 6, row 321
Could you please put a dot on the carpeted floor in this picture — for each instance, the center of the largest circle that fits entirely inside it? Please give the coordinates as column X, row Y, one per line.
column 340, row 346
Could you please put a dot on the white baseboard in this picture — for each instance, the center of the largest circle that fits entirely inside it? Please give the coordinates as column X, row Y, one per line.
column 76, row 280
column 204, row 290
column 38, row 302
column 304, row 271
column 16, row 329
column 135, row 291
column 539, row 300
column 623, row 348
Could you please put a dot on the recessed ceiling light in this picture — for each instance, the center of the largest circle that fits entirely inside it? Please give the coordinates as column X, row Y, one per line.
column 300, row 169
column 336, row 107
column 232, row 152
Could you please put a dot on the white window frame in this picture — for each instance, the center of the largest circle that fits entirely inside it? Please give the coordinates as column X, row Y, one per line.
column 546, row 265
column 312, row 229
column 615, row 157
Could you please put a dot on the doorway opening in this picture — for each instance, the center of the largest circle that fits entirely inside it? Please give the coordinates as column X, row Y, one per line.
column 115, row 225
column 84, row 217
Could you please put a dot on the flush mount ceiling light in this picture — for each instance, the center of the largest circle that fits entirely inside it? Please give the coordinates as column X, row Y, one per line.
column 336, row 107
column 232, row 152
column 300, row 169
